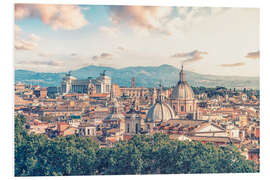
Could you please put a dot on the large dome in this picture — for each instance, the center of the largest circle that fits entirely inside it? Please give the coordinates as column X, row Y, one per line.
column 182, row 90
column 160, row 112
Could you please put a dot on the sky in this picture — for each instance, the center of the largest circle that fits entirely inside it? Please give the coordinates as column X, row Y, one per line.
column 59, row 38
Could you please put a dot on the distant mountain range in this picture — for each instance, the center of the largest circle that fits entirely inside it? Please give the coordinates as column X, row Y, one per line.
column 147, row 76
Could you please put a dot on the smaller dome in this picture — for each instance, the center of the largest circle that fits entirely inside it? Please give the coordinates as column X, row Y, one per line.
column 114, row 117
column 115, row 111
column 160, row 112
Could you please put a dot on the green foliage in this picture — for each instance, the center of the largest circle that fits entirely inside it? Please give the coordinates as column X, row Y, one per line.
column 36, row 155
column 124, row 158
column 217, row 91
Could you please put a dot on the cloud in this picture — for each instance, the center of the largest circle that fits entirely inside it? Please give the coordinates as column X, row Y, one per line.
column 190, row 57
column 73, row 54
column 95, row 57
column 105, row 55
column 253, row 55
column 111, row 31
column 25, row 45
column 233, row 65
column 22, row 44
column 17, row 29
column 68, row 17
column 188, row 13
column 146, row 17
column 102, row 56
column 17, row 32
column 41, row 54
column 36, row 63
column 162, row 20
column 188, row 17
column 121, row 48
column 34, row 37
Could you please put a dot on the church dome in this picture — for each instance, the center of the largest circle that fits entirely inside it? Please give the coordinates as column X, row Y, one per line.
column 116, row 109
column 114, row 117
column 182, row 90
column 160, row 112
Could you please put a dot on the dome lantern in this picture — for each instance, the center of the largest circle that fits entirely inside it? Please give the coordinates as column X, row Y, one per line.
column 182, row 76
column 182, row 90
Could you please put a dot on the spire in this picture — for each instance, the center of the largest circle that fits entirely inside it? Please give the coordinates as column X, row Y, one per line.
column 182, row 77
column 160, row 97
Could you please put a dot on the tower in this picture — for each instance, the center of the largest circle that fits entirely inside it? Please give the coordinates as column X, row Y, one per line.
column 182, row 98
column 133, row 82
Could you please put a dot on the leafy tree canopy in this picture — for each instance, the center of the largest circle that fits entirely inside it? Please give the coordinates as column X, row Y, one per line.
column 36, row 155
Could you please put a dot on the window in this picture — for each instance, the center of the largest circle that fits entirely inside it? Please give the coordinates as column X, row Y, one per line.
column 107, row 88
column 127, row 128
column 88, row 131
column 182, row 108
column 137, row 128
column 98, row 88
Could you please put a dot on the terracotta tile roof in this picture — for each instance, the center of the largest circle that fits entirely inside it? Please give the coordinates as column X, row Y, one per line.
column 112, row 139
column 127, row 137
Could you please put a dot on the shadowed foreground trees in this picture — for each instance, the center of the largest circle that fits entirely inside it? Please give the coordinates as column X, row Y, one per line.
column 36, row 155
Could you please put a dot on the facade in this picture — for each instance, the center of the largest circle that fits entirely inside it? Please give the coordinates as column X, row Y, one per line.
column 116, row 118
column 40, row 93
column 87, row 129
column 64, row 129
column 182, row 98
column 133, row 120
column 20, row 87
column 101, row 84
column 134, row 91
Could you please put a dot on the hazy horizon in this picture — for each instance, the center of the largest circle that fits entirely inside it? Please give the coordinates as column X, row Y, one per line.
column 139, row 66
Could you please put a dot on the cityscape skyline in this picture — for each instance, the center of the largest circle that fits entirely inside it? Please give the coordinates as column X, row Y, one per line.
column 196, row 37
column 123, row 90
